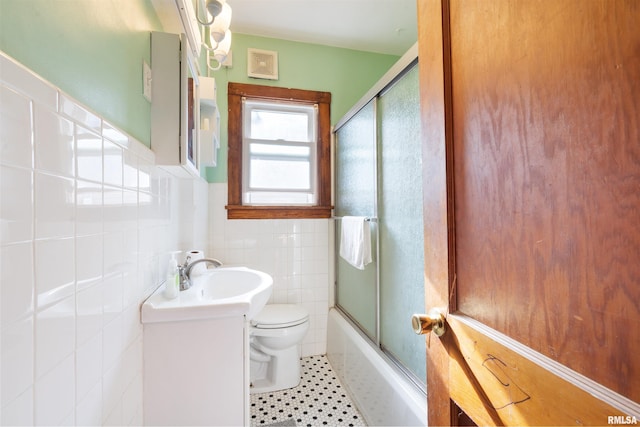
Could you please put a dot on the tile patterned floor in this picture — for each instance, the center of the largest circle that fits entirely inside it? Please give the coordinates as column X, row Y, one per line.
column 319, row 400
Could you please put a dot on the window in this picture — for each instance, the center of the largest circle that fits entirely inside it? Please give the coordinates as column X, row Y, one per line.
column 279, row 153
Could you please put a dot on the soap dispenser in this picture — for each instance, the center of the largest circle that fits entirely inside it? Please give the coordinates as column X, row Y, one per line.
column 172, row 284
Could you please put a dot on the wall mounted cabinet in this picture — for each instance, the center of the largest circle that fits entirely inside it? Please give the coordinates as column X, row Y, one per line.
column 175, row 109
column 209, row 122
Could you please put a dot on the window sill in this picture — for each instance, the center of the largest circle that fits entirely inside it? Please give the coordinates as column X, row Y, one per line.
column 278, row 212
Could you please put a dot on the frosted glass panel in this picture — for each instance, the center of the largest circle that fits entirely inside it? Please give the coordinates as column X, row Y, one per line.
column 400, row 221
column 355, row 195
column 355, row 164
column 382, row 142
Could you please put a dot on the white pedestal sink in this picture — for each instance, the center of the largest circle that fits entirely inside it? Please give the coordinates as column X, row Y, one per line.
column 196, row 360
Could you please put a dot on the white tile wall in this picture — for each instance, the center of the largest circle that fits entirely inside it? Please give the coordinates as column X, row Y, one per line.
column 86, row 224
column 294, row 252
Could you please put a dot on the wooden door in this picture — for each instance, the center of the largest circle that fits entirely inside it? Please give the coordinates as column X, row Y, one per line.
column 531, row 128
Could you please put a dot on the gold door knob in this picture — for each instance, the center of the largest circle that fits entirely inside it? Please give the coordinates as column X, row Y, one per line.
column 425, row 323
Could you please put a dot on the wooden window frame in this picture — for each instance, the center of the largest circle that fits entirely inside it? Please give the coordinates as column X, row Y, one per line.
column 235, row 207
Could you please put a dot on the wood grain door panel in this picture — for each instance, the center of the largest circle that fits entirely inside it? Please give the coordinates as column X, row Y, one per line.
column 531, row 159
column 547, row 173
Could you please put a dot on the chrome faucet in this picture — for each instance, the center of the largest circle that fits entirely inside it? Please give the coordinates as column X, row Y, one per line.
column 184, row 270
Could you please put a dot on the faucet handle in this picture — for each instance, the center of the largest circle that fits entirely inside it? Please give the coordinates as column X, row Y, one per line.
column 185, row 283
column 186, row 262
column 182, row 268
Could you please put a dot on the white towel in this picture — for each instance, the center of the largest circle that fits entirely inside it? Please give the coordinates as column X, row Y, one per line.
column 355, row 241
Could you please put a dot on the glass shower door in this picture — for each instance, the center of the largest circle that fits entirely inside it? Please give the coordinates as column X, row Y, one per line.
column 379, row 175
column 400, row 221
column 356, row 196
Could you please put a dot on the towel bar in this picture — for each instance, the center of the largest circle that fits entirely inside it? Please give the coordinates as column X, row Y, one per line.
column 366, row 219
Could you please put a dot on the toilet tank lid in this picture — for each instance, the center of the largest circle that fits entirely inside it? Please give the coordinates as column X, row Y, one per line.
column 280, row 314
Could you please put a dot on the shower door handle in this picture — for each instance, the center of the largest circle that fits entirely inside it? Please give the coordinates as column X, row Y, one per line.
column 424, row 323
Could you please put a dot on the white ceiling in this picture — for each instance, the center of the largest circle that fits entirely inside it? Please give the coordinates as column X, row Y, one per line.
column 382, row 26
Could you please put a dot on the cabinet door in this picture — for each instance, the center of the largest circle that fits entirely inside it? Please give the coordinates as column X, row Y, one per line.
column 195, row 373
column 175, row 106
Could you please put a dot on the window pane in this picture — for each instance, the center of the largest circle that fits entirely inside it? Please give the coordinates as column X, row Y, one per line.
column 279, row 198
column 280, row 150
column 274, row 125
column 280, row 174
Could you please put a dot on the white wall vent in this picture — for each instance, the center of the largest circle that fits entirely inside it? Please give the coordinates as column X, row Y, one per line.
column 262, row 64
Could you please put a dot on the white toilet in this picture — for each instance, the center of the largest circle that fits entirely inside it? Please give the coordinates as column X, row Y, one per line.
column 276, row 334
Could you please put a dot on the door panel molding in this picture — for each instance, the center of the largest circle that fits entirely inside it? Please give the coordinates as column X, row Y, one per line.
column 511, row 384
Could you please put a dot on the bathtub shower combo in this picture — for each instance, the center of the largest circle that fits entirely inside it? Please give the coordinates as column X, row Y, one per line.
column 371, row 344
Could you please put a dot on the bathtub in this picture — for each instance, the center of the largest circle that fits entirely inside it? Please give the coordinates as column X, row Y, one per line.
column 382, row 394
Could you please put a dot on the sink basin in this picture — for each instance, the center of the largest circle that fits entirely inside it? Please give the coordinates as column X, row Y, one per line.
column 220, row 292
column 227, row 283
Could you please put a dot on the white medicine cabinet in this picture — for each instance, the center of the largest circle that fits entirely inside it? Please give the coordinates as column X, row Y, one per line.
column 175, row 106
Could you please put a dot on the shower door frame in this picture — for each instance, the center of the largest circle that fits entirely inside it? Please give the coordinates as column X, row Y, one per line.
column 404, row 65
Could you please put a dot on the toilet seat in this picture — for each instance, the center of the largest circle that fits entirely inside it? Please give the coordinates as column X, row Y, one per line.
column 276, row 316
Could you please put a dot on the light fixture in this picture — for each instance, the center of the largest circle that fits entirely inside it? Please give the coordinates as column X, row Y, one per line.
column 213, row 8
column 220, row 52
column 220, row 25
column 218, row 21
column 218, row 43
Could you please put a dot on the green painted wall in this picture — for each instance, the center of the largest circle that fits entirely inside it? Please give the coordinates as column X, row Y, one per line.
column 347, row 74
column 91, row 49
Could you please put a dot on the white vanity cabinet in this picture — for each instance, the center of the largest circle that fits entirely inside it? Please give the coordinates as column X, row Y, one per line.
column 196, row 372
column 175, row 105
column 196, row 348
